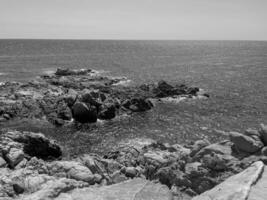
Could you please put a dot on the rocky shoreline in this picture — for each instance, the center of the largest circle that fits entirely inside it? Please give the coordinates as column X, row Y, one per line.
column 31, row 167
column 83, row 95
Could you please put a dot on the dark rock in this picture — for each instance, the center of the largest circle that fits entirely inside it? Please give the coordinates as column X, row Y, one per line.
column 138, row 104
column 263, row 133
column 246, row 143
column 68, row 72
column 107, row 111
column 84, row 113
column 18, row 189
column 41, row 147
column 63, row 72
column 264, row 151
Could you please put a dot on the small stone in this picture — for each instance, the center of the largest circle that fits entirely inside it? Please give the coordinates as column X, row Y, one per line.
column 130, row 172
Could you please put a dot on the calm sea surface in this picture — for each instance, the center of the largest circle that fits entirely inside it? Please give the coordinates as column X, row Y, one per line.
column 233, row 72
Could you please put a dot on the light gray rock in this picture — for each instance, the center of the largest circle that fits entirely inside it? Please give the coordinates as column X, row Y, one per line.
column 223, row 148
column 235, row 187
column 246, row 143
column 136, row 189
column 2, row 162
column 130, row 172
column 14, row 156
column 71, row 169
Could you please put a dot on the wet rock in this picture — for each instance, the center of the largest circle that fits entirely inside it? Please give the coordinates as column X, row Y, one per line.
column 84, row 113
column 138, row 104
column 163, row 89
column 68, row 72
column 246, row 143
column 107, row 111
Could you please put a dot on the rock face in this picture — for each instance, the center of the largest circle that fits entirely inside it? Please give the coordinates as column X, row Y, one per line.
column 136, row 189
column 235, row 187
column 15, row 146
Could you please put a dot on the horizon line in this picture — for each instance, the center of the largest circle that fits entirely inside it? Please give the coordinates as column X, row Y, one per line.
column 132, row 39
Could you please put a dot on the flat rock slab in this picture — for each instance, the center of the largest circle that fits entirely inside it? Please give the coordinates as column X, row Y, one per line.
column 135, row 189
column 236, row 187
column 259, row 190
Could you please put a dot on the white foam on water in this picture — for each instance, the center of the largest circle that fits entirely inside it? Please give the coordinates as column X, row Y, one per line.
column 123, row 82
column 49, row 72
column 2, row 73
column 2, row 83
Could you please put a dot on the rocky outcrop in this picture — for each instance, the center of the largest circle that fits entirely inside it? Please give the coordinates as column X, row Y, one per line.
column 82, row 95
column 235, row 187
column 30, row 167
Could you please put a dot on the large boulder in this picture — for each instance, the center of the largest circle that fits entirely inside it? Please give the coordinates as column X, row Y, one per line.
column 136, row 189
column 84, row 113
column 235, row 187
column 246, row 143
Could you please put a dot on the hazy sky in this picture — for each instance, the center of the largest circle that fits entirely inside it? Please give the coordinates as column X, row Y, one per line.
column 134, row 19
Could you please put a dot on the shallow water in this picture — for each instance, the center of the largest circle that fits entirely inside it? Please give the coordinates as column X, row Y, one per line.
column 233, row 72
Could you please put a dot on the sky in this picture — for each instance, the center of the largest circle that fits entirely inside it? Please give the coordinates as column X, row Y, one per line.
column 134, row 19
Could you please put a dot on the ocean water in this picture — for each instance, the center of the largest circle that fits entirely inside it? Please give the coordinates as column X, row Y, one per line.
column 234, row 73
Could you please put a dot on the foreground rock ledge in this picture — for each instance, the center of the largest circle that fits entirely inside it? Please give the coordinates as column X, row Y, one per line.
column 31, row 168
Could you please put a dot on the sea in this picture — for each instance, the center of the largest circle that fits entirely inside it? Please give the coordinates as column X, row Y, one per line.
column 234, row 73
